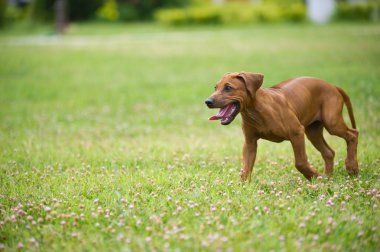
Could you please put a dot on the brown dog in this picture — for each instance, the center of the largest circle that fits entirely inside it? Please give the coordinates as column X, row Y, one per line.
column 286, row 111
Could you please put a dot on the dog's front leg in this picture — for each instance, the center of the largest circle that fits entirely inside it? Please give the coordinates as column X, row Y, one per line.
column 249, row 157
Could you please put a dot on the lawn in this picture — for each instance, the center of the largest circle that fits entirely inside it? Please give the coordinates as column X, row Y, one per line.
column 105, row 143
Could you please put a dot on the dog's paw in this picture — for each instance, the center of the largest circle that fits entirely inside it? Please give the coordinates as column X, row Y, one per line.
column 245, row 175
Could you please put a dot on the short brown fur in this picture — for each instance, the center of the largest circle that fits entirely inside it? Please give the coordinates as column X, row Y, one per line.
column 288, row 111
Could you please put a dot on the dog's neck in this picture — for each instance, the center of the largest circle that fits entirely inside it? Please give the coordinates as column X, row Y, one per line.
column 255, row 110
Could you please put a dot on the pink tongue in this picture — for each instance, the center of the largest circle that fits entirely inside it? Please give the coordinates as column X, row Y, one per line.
column 224, row 112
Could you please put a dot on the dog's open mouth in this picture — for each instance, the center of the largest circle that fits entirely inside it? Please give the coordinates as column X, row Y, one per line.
column 227, row 114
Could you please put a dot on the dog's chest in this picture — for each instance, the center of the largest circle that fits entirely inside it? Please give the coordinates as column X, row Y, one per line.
column 271, row 137
column 274, row 133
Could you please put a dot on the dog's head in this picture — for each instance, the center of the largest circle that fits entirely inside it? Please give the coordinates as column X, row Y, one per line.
column 233, row 93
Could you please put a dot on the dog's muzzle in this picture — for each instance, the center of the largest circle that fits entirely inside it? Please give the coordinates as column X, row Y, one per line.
column 226, row 114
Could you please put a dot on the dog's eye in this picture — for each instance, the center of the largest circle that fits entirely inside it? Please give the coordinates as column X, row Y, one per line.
column 227, row 88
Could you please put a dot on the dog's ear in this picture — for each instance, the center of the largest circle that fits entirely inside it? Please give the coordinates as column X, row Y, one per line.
column 252, row 81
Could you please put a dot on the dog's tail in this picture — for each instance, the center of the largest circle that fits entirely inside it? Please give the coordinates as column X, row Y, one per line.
column 347, row 101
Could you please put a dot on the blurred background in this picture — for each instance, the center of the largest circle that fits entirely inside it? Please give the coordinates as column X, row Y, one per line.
column 131, row 76
column 62, row 13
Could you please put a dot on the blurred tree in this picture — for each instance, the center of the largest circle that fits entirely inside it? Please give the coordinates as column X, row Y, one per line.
column 60, row 16
column 3, row 6
column 77, row 10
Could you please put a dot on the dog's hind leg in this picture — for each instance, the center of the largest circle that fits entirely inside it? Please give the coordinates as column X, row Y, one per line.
column 314, row 133
column 334, row 123
column 339, row 128
column 298, row 144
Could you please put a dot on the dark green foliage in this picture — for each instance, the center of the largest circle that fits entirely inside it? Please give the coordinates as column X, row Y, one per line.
column 77, row 10
column 354, row 12
column 83, row 9
column 3, row 6
column 42, row 10
column 127, row 12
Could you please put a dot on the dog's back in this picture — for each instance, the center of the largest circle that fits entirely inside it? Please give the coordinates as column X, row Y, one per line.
column 309, row 97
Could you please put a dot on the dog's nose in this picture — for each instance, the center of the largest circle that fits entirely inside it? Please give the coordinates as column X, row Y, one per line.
column 209, row 102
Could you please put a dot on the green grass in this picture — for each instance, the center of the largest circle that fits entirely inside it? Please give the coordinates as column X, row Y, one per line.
column 105, row 143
